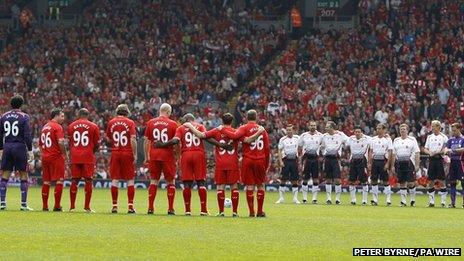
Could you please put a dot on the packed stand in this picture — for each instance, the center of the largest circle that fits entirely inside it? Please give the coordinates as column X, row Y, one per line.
column 404, row 63
column 187, row 53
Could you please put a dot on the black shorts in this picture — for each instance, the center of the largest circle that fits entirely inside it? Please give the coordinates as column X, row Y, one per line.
column 358, row 170
column 436, row 169
column 405, row 171
column 290, row 170
column 378, row 171
column 331, row 167
column 311, row 167
column 456, row 170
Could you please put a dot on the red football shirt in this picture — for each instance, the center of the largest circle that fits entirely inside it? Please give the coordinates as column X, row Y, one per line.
column 120, row 130
column 49, row 136
column 84, row 136
column 161, row 129
column 225, row 160
column 259, row 149
column 188, row 141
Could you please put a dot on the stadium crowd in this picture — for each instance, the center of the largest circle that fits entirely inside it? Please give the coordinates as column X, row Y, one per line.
column 403, row 63
column 187, row 53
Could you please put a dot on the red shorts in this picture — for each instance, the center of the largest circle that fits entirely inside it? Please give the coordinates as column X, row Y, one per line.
column 253, row 171
column 53, row 170
column 85, row 171
column 228, row 177
column 167, row 167
column 193, row 166
column 122, row 166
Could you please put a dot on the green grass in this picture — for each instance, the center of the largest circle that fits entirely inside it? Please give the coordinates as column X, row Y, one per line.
column 289, row 232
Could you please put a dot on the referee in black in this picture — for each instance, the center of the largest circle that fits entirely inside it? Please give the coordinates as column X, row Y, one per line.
column 288, row 161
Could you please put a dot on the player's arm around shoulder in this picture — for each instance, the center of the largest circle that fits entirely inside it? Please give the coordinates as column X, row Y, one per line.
column 256, row 135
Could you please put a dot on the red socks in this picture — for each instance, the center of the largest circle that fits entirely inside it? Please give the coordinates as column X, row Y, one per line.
column 220, row 199
column 250, row 200
column 58, row 192
column 171, row 191
column 235, row 197
column 187, row 193
column 88, row 193
column 260, row 196
column 151, row 196
column 114, row 195
column 73, row 193
column 202, row 193
column 45, row 192
column 130, row 196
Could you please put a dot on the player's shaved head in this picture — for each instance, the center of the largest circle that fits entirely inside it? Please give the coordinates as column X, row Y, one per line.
column 122, row 110
column 165, row 109
column 189, row 117
column 227, row 118
column 252, row 115
column 17, row 101
column 83, row 113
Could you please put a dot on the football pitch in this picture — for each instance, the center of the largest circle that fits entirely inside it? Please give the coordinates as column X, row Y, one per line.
column 289, row 232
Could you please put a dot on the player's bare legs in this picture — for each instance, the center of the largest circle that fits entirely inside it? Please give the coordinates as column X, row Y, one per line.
column 114, row 195
column 130, row 196
column 250, row 189
column 187, row 194
column 152, row 189
column 260, row 198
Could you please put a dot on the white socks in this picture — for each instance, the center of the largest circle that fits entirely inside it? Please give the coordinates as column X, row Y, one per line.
column 443, row 193
column 403, row 193
column 387, row 190
column 431, row 196
column 338, row 192
column 304, row 191
column 328, row 190
column 281, row 192
column 365, row 193
column 375, row 193
column 353, row 193
column 412, row 193
column 295, row 193
column 315, row 189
